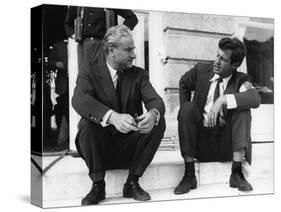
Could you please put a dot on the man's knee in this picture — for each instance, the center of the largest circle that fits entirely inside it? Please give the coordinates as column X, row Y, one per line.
column 161, row 127
column 187, row 110
column 157, row 132
column 86, row 125
column 88, row 130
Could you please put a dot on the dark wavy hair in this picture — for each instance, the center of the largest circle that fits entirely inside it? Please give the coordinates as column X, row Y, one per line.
column 237, row 48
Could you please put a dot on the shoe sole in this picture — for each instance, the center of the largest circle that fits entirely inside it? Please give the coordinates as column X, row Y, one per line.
column 191, row 188
column 95, row 203
column 233, row 185
column 125, row 195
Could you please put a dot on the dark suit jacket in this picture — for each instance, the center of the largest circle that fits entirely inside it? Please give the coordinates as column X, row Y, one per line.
column 95, row 94
column 198, row 80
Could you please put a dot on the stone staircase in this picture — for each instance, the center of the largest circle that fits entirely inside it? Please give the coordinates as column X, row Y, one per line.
column 67, row 182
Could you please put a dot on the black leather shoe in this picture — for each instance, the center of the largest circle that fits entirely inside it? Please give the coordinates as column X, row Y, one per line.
column 96, row 194
column 133, row 190
column 237, row 180
column 188, row 182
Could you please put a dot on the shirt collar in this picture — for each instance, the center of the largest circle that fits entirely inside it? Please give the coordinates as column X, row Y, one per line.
column 112, row 71
column 225, row 80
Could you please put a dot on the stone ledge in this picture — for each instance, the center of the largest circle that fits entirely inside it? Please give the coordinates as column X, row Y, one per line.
column 261, row 187
column 68, row 179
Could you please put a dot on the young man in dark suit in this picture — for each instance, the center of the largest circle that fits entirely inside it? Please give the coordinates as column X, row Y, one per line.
column 108, row 97
column 216, row 125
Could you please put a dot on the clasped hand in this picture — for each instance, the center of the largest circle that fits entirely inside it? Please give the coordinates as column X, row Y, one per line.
column 215, row 110
column 146, row 122
column 125, row 123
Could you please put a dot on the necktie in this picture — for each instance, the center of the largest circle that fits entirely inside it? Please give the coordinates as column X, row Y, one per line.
column 217, row 89
column 118, row 89
column 216, row 95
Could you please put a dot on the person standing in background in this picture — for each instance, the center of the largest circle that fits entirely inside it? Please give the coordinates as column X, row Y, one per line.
column 95, row 22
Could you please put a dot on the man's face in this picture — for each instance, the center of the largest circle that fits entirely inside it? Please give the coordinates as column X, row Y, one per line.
column 123, row 54
column 222, row 65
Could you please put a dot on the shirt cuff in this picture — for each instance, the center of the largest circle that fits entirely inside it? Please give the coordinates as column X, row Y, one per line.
column 230, row 101
column 157, row 116
column 105, row 118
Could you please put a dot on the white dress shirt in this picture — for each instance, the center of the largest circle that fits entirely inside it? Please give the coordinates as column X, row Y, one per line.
column 114, row 77
column 230, row 99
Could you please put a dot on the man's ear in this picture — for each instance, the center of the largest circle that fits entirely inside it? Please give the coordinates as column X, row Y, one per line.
column 110, row 49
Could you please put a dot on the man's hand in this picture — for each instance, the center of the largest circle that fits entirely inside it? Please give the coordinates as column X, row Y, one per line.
column 124, row 123
column 215, row 110
column 147, row 121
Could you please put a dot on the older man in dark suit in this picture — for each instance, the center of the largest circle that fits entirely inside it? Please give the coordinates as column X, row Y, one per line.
column 215, row 126
column 108, row 97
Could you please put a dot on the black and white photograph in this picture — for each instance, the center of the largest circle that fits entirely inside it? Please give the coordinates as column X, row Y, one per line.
column 136, row 105
column 146, row 107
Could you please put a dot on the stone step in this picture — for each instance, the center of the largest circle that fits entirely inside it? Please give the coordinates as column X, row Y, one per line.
column 261, row 186
column 67, row 181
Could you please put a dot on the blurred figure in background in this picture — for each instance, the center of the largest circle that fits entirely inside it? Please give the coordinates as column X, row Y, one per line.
column 94, row 24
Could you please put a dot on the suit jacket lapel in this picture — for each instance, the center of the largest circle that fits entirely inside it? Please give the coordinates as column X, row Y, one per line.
column 205, row 86
column 230, row 85
column 126, row 87
column 107, row 84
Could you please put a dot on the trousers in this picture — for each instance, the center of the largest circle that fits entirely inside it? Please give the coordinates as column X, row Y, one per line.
column 90, row 51
column 218, row 144
column 104, row 148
